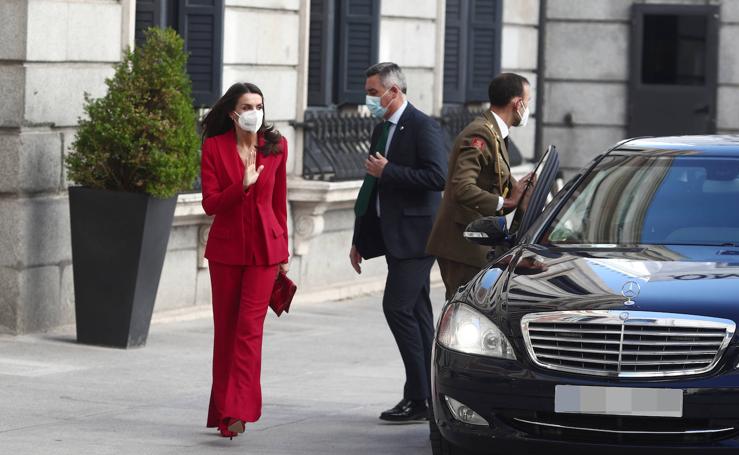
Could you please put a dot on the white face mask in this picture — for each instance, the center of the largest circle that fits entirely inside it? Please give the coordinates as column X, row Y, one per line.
column 251, row 121
column 524, row 117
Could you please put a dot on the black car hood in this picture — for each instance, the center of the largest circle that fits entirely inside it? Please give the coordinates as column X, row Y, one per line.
column 698, row 280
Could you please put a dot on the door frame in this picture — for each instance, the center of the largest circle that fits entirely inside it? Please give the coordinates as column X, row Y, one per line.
column 538, row 201
column 636, row 47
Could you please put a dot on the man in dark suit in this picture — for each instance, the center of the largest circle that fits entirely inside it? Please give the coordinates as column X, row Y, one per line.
column 395, row 211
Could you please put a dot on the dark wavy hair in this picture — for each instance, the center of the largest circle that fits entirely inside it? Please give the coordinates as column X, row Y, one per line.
column 217, row 121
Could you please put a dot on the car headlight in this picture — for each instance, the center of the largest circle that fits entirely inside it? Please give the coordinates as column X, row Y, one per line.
column 466, row 330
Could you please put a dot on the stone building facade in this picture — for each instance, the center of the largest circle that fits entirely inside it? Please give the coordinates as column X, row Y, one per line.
column 578, row 54
column 51, row 52
column 594, row 92
column 54, row 51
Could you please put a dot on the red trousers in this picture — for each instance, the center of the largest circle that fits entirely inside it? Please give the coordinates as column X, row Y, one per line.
column 240, row 300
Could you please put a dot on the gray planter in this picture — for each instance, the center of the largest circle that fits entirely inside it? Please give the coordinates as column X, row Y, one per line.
column 119, row 241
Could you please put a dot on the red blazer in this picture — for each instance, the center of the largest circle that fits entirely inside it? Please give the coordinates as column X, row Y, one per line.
column 250, row 227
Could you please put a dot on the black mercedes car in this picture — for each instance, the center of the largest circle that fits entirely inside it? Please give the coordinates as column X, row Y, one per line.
column 608, row 326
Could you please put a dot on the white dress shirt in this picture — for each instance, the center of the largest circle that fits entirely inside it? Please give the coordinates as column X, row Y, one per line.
column 394, row 119
column 503, row 132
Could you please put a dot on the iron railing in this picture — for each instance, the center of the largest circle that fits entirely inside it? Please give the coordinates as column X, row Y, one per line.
column 336, row 143
column 453, row 120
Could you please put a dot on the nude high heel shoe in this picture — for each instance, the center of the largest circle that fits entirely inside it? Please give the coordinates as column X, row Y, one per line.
column 225, row 432
column 235, row 426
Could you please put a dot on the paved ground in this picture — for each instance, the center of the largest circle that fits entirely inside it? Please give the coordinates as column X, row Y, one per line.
column 329, row 369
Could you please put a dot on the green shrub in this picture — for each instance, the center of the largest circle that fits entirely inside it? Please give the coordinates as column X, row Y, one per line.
column 141, row 137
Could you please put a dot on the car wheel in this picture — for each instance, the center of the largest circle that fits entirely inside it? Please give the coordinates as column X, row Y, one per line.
column 439, row 445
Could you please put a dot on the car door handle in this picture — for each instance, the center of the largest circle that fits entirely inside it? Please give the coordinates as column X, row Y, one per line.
column 705, row 109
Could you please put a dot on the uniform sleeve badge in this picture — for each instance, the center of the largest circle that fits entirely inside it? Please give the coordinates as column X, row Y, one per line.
column 478, row 143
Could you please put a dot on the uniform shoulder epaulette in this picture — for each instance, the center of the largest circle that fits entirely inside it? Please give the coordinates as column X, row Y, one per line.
column 492, row 130
column 481, row 127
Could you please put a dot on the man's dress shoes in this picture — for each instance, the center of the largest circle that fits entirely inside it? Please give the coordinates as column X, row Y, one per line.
column 406, row 411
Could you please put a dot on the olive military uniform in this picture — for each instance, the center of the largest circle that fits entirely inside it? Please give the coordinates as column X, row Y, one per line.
column 479, row 172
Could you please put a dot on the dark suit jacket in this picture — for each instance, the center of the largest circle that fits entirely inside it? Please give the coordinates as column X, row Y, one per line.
column 250, row 227
column 409, row 188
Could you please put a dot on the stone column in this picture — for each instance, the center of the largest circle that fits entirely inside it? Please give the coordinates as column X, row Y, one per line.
column 439, row 53
column 53, row 51
column 728, row 69
column 408, row 37
column 586, row 78
column 519, row 52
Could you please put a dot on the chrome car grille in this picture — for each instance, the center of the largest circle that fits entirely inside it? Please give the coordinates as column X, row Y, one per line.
column 619, row 343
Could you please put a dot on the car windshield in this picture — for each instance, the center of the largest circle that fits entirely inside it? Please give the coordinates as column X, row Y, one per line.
column 655, row 200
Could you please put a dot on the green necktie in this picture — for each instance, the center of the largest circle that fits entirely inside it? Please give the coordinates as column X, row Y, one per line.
column 365, row 192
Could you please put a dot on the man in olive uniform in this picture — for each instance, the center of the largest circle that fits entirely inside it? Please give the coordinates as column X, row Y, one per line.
column 479, row 182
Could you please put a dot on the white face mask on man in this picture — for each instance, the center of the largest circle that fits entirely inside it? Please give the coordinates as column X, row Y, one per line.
column 524, row 117
column 251, row 121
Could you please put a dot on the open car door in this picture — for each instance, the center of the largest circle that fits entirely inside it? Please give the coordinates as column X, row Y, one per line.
column 546, row 171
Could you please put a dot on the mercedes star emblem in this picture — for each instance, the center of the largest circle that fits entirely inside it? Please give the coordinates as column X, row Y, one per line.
column 630, row 290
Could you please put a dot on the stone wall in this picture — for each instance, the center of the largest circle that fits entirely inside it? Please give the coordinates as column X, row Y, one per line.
column 55, row 50
column 727, row 120
column 519, row 53
column 409, row 37
column 267, row 56
column 587, row 74
column 52, row 52
column 185, row 280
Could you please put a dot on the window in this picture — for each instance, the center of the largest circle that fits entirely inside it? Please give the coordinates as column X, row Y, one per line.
column 343, row 43
column 628, row 200
column 674, row 49
column 200, row 23
column 471, row 49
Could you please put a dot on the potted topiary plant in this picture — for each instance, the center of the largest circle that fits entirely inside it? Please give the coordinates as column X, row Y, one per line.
column 136, row 148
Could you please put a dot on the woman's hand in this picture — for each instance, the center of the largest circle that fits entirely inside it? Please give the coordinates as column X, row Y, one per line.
column 284, row 268
column 251, row 172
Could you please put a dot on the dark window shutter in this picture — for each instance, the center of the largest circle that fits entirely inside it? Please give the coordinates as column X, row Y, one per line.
column 358, row 47
column 149, row 13
column 455, row 51
column 321, row 52
column 200, row 23
column 484, row 47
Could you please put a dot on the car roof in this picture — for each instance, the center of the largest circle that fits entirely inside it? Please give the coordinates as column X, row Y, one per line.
column 715, row 145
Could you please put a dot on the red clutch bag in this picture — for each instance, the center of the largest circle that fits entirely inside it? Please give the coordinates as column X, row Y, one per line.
column 282, row 294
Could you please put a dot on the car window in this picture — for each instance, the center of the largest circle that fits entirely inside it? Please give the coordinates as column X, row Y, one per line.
column 658, row 200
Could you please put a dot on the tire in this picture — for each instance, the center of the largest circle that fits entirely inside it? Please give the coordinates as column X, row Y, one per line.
column 439, row 445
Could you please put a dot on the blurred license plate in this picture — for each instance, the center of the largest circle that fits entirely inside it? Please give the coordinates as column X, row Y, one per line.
column 618, row 401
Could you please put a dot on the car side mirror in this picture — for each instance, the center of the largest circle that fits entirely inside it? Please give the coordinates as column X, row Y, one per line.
column 488, row 231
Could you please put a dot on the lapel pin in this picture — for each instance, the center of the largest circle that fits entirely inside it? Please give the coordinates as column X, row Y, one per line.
column 401, row 127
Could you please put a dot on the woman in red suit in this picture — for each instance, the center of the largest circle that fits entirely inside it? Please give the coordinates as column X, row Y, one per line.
column 245, row 188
